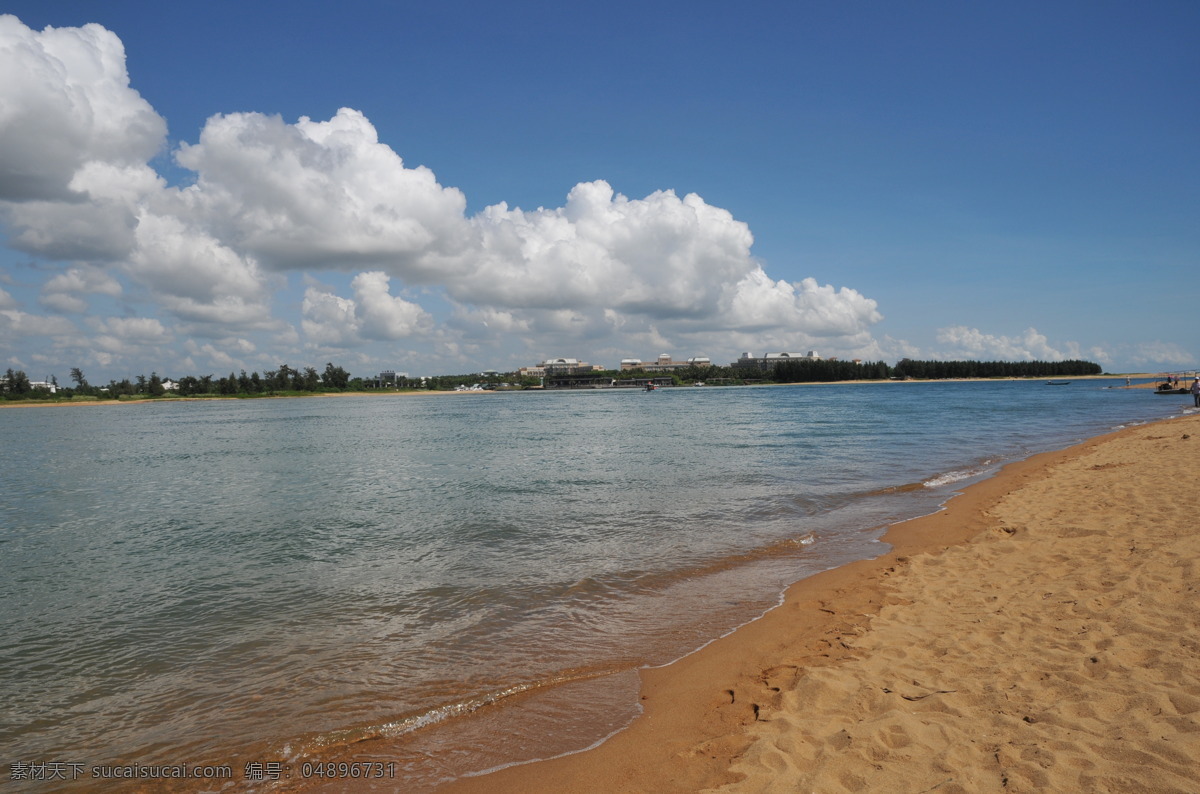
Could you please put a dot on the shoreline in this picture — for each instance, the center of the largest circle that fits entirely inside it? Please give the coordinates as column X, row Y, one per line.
column 225, row 398
column 720, row 716
column 70, row 403
column 573, row 710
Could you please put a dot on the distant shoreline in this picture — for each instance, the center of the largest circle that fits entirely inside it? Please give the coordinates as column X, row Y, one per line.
column 1150, row 378
column 75, row 403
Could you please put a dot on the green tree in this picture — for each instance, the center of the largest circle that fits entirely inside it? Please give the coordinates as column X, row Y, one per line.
column 188, row 385
column 282, row 378
column 16, row 383
column 116, row 389
column 335, row 377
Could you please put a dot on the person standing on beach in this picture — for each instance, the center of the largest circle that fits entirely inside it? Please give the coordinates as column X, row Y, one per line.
column 1195, row 390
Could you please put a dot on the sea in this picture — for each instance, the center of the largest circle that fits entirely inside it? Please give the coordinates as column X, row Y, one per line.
column 440, row 584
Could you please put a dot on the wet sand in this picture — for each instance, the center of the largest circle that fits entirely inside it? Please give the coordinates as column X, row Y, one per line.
column 1039, row 634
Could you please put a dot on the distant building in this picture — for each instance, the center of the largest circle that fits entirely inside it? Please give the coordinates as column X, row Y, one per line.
column 664, row 363
column 565, row 366
column 389, row 377
column 768, row 360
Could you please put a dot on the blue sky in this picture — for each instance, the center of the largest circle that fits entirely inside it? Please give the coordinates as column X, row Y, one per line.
column 486, row 185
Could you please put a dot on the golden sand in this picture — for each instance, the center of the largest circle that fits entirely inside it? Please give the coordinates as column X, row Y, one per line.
column 1040, row 634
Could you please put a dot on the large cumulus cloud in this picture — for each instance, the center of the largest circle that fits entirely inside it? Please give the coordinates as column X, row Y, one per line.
column 373, row 314
column 660, row 254
column 320, row 194
column 67, row 103
column 75, row 140
column 271, row 200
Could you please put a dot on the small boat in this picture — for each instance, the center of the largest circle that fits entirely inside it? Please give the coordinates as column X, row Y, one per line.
column 650, row 387
column 1168, row 382
column 1058, row 383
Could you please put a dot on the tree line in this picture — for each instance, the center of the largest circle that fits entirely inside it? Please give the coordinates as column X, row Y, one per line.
column 810, row 371
column 935, row 370
column 284, row 379
column 15, row 384
column 804, row 370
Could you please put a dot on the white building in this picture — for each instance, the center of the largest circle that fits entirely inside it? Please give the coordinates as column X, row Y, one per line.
column 664, row 363
column 563, row 366
column 768, row 360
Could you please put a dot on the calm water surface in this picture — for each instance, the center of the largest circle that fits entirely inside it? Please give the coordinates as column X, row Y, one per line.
column 272, row 580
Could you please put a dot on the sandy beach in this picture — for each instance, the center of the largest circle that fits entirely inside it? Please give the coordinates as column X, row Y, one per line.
column 1039, row 634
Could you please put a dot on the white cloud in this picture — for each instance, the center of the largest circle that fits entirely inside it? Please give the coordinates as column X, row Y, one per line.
column 64, row 292
column 661, row 254
column 214, row 356
column 757, row 302
column 59, row 230
column 603, row 271
column 974, row 344
column 374, row 313
column 63, row 303
column 86, row 281
column 328, row 320
column 320, row 194
column 489, row 321
column 1161, row 354
column 195, row 276
column 382, row 316
column 135, row 330
column 67, row 104
column 14, row 323
column 75, row 140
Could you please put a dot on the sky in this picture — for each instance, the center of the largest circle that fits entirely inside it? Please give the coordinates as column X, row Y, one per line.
column 444, row 188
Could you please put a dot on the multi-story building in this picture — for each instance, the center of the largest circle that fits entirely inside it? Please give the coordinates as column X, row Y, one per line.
column 768, row 360
column 559, row 366
column 390, row 377
column 664, row 363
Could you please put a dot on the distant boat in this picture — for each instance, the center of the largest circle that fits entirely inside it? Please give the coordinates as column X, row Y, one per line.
column 1058, row 383
column 650, row 387
column 1169, row 390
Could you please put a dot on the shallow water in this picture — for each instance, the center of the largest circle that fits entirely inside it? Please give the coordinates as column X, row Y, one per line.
column 233, row 581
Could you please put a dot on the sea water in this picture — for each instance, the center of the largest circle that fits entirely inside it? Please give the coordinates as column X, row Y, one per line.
column 273, row 581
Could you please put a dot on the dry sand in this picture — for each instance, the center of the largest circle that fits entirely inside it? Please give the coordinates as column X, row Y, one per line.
column 1040, row 634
